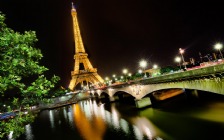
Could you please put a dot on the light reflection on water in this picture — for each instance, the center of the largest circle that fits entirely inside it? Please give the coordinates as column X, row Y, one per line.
column 51, row 115
column 92, row 120
column 89, row 120
column 89, row 127
column 29, row 134
column 70, row 116
column 95, row 119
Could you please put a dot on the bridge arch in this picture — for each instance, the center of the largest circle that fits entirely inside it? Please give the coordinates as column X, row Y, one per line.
column 95, row 94
column 91, row 94
column 209, row 85
column 104, row 95
column 119, row 92
column 122, row 94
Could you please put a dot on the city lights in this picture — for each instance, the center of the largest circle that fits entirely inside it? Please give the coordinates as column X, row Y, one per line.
column 155, row 66
column 181, row 51
column 143, row 65
column 178, row 59
column 218, row 47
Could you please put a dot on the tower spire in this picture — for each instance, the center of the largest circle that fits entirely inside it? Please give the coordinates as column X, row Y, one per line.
column 77, row 35
column 73, row 7
column 88, row 74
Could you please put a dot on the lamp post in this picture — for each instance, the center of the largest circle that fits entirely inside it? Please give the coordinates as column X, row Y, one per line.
column 121, row 79
column 218, row 47
column 155, row 66
column 140, row 71
column 114, row 76
column 143, row 65
column 125, row 71
column 107, row 80
column 178, row 59
column 181, row 53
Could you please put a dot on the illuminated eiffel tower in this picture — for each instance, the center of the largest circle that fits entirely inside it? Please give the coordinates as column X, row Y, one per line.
column 87, row 74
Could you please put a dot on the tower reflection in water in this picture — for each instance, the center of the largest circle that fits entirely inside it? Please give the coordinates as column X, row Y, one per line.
column 92, row 121
column 88, row 121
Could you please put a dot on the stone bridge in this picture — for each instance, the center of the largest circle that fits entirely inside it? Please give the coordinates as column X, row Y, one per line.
column 205, row 79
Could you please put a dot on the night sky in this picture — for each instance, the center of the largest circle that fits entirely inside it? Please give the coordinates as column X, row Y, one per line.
column 117, row 34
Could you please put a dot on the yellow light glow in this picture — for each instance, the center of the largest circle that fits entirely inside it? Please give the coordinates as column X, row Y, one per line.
column 218, row 46
column 143, row 63
column 177, row 59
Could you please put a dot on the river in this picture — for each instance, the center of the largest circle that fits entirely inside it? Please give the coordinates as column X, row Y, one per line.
column 183, row 117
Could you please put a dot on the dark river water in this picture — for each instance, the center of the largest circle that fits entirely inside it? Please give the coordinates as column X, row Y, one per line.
column 183, row 117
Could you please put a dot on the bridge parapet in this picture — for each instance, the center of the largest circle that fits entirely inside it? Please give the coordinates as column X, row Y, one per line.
column 213, row 71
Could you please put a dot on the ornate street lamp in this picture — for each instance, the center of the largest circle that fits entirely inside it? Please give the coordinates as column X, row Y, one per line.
column 181, row 53
column 114, row 76
column 125, row 71
column 121, row 79
column 178, row 59
column 155, row 66
column 140, row 71
column 107, row 80
column 218, row 47
column 143, row 65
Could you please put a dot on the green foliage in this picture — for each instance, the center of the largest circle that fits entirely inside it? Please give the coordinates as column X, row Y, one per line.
column 16, row 125
column 58, row 92
column 168, row 69
column 137, row 75
column 22, row 74
column 38, row 90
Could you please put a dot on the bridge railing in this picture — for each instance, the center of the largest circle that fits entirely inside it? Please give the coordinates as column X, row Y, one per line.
column 212, row 71
column 209, row 71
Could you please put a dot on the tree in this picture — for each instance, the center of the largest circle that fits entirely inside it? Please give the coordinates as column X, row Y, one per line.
column 22, row 80
column 169, row 69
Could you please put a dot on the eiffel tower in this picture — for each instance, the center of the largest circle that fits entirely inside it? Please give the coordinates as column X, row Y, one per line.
column 88, row 74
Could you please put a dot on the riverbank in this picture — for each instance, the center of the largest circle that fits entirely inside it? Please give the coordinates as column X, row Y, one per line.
column 55, row 103
column 73, row 100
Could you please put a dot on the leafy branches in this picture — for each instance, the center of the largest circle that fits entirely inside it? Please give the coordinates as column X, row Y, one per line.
column 21, row 74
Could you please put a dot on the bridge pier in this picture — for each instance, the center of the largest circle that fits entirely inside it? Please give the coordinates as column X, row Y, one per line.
column 140, row 103
column 194, row 93
column 114, row 98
